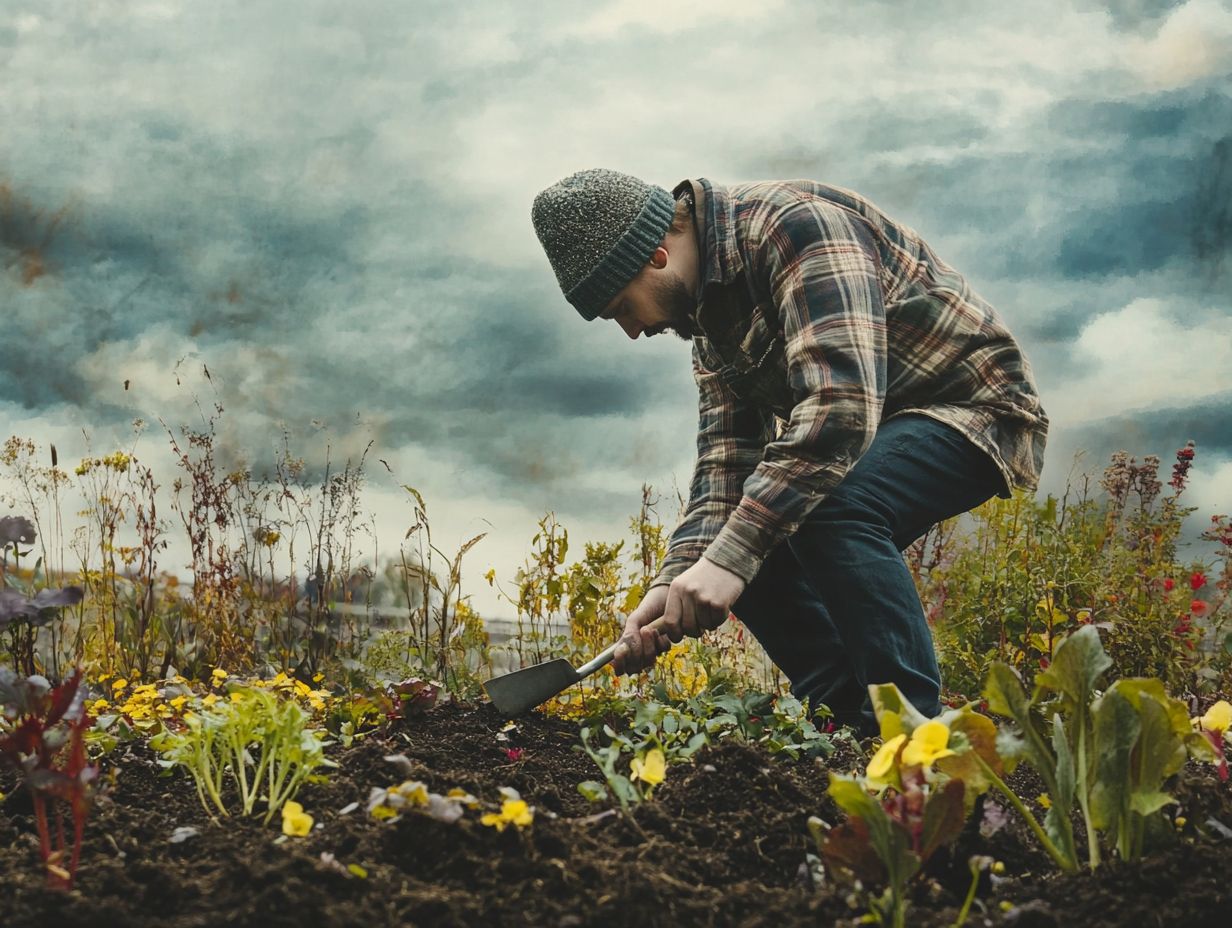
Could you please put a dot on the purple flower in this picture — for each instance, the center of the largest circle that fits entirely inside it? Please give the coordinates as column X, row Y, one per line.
column 41, row 609
column 16, row 530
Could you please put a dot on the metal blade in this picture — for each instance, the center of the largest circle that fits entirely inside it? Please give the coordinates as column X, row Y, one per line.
column 514, row 693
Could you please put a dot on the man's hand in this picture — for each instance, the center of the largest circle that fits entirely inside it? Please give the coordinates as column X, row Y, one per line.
column 698, row 600
column 639, row 647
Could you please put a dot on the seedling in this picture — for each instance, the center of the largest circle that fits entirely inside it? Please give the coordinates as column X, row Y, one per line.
column 42, row 736
column 220, row 741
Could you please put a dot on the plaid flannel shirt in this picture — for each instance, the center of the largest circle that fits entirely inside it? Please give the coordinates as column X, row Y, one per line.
column 820, row 317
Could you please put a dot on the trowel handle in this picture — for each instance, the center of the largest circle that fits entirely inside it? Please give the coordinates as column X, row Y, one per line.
column 605, row 657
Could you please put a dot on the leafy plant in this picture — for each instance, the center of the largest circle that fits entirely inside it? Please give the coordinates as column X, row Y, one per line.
column 42, row 731
column 1110, row 753
column 220, row 741
column 1105, row 553
column 913, row 797
column 648, row 766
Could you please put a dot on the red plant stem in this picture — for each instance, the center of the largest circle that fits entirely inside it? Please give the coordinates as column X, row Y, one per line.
column 60, row 843
column 40, row 820
column 79, row 823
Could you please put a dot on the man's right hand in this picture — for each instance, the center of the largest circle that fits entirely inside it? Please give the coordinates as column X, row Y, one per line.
column 639, row 647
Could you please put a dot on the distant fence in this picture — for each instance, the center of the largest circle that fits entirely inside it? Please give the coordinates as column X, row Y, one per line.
column 500, row 630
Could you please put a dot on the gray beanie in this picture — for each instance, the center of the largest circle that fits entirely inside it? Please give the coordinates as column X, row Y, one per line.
column 599, row 228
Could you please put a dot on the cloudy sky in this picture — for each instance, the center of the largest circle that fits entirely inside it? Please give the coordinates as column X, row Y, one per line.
column 328, row 205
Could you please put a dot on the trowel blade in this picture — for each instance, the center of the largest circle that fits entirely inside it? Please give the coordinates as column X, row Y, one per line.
column 514, row 693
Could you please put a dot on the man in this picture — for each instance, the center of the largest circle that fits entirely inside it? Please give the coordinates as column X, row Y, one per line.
column 853, row 391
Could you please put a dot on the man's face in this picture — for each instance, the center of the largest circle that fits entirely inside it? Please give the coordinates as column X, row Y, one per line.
column 655, row 301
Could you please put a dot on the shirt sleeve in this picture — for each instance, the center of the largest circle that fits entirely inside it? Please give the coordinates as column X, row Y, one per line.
column 821, row 265
column 731, row 436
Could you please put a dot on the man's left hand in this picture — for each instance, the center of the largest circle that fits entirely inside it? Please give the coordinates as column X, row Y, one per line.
column 700, row 599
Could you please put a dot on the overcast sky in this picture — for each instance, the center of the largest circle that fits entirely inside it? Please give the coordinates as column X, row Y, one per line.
column 328, row 205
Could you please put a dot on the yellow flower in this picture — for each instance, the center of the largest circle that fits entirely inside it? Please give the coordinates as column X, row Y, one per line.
column 1044, row 800
column 462, row 796
column 177, row 702
column 413, row 792
column 1218, row 717
column 209, row 699
column 882, row 764
column 295, row 821
column 652, row 769
column 99, row 705
column 928, row 743
column 118, row 685
column 513, row 811
column 219, row 675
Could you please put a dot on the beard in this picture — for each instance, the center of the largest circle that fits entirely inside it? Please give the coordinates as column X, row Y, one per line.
column 674, row 296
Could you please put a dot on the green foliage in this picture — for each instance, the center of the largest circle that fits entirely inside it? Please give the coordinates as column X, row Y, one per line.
column 1031, row 572
column 1110, row 753
column 217, row 744
column 906, row 804
column 678, row 731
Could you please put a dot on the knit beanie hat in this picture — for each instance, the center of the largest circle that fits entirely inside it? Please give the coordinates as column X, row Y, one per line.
column 599, row 228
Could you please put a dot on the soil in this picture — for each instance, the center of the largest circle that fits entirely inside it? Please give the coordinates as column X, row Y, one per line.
column 723, row 842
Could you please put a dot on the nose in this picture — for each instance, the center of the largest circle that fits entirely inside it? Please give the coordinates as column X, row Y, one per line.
column 632, row 327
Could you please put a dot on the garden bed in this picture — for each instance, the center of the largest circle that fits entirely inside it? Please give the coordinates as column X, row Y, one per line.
column 723, row 841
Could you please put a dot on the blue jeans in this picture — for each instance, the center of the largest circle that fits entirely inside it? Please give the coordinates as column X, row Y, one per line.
column 834, row 605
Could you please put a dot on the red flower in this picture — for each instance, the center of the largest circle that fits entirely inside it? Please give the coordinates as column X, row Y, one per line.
column 1043, row 662
column 1197, row 581
column 514, row 754
column 1199, row 608
column 1169, row 583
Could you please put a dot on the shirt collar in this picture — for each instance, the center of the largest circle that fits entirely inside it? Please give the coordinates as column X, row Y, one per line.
column 720, row 257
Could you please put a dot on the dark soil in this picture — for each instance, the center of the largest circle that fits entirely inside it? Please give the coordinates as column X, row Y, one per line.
column 723, row 842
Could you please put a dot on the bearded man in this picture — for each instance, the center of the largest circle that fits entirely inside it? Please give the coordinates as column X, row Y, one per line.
column 853, row 391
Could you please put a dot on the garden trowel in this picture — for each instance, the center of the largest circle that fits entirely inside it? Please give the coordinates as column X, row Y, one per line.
column 514, row 693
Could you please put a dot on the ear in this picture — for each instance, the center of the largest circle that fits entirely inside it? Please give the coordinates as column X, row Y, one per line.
column 659, row 258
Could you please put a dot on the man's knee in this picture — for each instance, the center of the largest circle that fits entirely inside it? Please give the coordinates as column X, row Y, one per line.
column 844, row 526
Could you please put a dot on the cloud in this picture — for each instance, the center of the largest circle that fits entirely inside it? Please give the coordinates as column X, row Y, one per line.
column 683, row 16
column 330, row 211
column 1146, row 355
column 1193, row 43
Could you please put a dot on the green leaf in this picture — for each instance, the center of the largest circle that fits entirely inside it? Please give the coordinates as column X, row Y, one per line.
column 1005, row 693
column 851, row 796
column 1057, row 823
column 1145, row 802
column 593, row 790
column 888, row 838
column 1006, row 696
column 623, row 788
column 1116, row 729
column 1080, row 660
column 889, row 701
